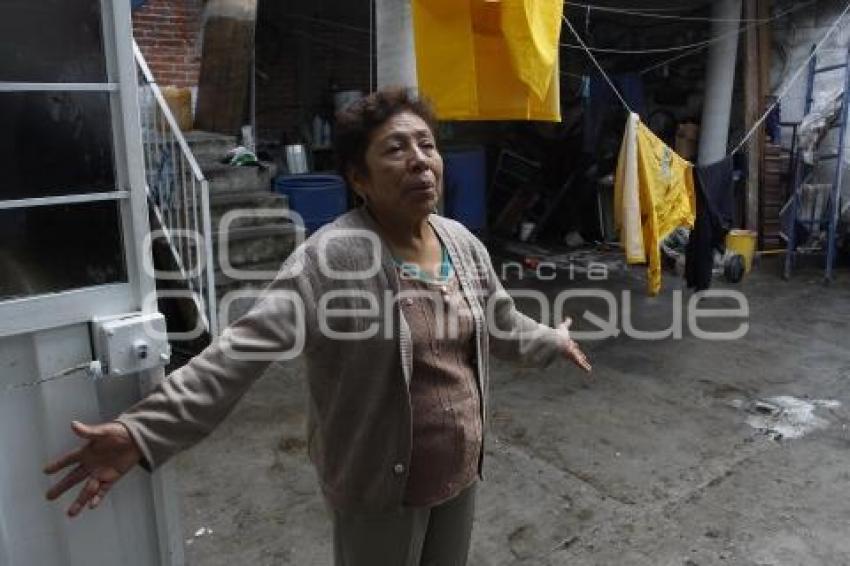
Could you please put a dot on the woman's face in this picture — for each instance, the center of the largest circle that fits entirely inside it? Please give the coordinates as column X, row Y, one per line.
column 404, row 170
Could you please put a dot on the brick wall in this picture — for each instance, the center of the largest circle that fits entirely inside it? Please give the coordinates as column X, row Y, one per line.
column 168, row 33
column 304, row 47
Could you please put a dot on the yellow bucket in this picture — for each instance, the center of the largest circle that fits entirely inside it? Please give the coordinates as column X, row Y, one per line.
column 743, row 242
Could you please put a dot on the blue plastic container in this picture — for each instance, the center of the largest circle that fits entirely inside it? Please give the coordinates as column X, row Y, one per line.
column 319, row 199
column 465, row 183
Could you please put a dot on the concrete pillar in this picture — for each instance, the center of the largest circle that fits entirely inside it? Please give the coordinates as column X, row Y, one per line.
column 720, row 81
column 396, row 56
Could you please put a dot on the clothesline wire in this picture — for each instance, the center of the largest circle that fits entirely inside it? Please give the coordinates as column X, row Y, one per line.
column 692, row 47
column 649, row 14
column 650, row 51
column 793, row 79
column 595, row 62
column 770, row 109
column 714, row 40
column 673, row 59
column 645, row 10
column 330, row 44
column 326, row 22
column 58, row 376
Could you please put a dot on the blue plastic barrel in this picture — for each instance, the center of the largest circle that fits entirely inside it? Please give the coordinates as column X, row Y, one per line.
column 465, row 183
column 319, row 199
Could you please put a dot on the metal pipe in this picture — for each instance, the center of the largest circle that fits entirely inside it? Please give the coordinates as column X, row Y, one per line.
column 835, row 197
column 187, row 260
column 720, row 82
column 58, row 87
column 396, row 55
column 146, row 139
column 66, row 199
column 161, row 163
column 197, row 229
column 175, row 196
column 211, row 301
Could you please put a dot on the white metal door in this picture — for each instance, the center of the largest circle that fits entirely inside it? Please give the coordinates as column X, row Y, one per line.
column 73, row 216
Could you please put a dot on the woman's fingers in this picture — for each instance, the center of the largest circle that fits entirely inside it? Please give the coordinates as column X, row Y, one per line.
column 93, row 493
column 583, row 362
column 66, row 460
column 87, row 432
column 101, row 495
column 71, row 479
column 89, row 491
column 578, row 356
column 571, row 348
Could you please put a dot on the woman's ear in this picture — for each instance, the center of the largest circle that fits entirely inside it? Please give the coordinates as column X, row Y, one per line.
column 357, row 181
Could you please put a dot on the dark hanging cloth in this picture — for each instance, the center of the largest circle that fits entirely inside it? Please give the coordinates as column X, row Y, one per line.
column 715, row 215
column 601, row 100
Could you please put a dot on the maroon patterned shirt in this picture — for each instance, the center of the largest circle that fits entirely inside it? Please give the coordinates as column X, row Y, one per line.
column 444, row 394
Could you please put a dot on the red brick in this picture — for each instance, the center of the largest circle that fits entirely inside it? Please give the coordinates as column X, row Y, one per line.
column 168, row 32
column 177, row 43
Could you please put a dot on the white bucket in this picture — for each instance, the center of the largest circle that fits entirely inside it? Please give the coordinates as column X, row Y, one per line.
column 296, row 159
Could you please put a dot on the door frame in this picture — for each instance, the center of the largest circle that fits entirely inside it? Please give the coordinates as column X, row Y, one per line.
column 54, row 310
column 73, row 306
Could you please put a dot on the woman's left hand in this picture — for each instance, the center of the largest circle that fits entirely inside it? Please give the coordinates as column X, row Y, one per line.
column 571, row 349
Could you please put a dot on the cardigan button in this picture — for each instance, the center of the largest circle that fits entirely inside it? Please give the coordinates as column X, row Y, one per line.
column 398, row 469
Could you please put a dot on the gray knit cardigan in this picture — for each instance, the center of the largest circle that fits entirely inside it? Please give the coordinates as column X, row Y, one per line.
column 334, row 303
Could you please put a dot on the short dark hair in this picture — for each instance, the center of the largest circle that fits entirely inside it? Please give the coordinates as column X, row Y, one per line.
column 356, row 123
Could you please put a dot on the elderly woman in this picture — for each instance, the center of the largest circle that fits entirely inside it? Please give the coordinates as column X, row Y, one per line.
column 396, row 311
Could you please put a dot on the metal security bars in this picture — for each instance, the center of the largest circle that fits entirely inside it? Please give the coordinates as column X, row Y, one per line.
column 179, row 193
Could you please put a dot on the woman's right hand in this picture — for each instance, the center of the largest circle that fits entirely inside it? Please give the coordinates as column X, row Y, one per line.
column 109, row 453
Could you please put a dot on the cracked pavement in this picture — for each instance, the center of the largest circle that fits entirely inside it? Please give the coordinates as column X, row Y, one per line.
column 651, row 463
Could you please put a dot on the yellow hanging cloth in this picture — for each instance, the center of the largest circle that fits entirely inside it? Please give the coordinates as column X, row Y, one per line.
column 653, row 195
column 532, row 30
column 489, row 60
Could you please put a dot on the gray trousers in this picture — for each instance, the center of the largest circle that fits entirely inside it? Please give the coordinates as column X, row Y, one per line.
column 411, row 536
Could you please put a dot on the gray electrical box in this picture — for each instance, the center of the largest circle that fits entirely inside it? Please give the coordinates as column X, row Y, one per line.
column 131, row 343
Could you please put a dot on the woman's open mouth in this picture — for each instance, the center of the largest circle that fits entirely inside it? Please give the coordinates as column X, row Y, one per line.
column 425, row 192
column 422, row 186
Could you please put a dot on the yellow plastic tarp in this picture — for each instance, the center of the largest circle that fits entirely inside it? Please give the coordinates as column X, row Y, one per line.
column 489, row 60
column 653, row 195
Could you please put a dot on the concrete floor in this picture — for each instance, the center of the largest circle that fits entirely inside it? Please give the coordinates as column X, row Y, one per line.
column 651, row 463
